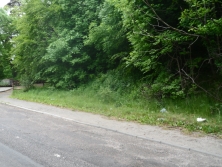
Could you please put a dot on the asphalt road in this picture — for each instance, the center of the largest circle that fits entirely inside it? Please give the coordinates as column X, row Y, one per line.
column 32, row 139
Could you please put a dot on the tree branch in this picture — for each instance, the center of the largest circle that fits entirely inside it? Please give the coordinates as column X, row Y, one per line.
column 160, row 19
column 201, row 87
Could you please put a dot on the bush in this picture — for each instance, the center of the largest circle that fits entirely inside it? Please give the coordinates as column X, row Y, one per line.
column 26, row 81
column 164, row 87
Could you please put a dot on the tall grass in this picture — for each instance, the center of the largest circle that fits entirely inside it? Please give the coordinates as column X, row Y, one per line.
column 122, row 99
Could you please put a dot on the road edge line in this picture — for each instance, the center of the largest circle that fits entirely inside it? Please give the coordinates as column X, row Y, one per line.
column 83, row 123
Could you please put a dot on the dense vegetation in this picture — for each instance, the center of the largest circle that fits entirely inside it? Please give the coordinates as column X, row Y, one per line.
column 144, row 48
column 6, row 31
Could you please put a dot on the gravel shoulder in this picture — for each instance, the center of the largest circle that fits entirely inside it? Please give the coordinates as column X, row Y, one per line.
column 204, row 144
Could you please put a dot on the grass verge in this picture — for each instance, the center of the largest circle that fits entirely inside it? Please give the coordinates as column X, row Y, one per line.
column 180, row 113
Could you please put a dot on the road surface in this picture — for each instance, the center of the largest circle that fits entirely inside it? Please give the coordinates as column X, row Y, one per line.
column 33, row 139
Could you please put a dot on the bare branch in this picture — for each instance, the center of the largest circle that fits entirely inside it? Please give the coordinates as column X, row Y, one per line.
column 193, row 42
column 207, row 92
column 160, row 19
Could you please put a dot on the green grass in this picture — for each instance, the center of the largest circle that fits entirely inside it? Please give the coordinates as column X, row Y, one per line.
column 181, row 113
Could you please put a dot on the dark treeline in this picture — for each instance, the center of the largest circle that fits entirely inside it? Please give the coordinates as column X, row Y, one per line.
column 171, row 47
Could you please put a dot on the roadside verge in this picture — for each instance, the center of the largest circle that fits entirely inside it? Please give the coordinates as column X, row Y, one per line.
column 207, row 144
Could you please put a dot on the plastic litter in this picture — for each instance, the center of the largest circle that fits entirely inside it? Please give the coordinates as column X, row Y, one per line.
column 201, row 119
column 163, row 110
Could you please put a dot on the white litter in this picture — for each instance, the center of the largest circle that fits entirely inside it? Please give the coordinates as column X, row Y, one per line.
column 201, row 119
column 163, row 110
column 57, row 155
column 160, row 119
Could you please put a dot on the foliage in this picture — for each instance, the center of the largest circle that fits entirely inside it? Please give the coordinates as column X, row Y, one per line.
column 204, row 19
column 67, row 59
column 108, row 36
column 169, row 46
column 164, row 86
column 26, row 82
column 50, row 41
column 33, row 36
column 113, row 86
column 6, row 31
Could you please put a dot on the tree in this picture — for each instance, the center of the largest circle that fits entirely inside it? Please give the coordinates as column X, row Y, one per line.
column 204, row 18
column 108, row 36
column 6, row 30
column 170, row 41
column 50, row 41
column 69, row 60
column 168, row 45
column 35, row 25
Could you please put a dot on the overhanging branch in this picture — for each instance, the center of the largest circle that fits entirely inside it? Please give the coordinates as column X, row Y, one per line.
column 173, row 28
